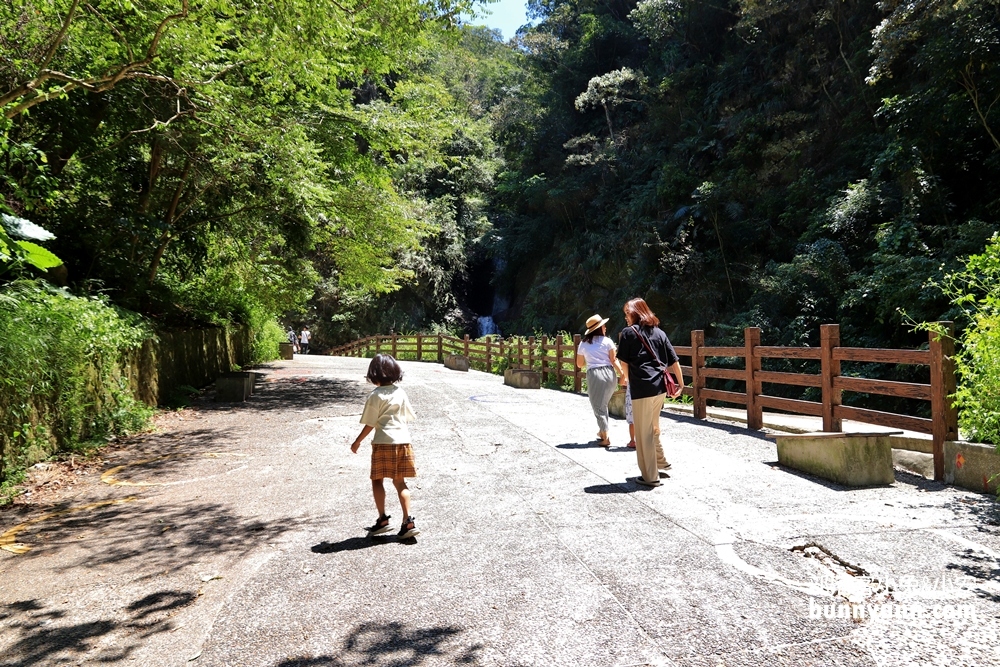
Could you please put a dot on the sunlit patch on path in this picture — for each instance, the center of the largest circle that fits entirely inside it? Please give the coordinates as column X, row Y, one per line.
column 498, row 398
column 8, row 539
column 110, row 476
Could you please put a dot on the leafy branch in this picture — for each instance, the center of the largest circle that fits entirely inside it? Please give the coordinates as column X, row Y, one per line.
column 30, row 93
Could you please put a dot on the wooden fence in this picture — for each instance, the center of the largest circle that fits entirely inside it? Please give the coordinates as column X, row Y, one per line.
column 555, row 358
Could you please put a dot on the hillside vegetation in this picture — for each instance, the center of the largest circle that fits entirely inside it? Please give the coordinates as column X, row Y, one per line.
column 766, row 163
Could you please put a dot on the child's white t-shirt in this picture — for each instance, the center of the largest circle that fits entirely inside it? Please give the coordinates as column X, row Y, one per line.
column 387, row 410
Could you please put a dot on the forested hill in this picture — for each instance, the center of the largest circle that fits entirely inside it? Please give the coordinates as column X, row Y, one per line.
column 772, row 163
column 367, row 165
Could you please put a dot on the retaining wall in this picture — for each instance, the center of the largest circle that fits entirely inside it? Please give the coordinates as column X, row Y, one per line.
column 193, row 357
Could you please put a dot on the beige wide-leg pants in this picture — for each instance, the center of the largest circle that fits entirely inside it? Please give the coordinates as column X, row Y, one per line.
column 648, row 449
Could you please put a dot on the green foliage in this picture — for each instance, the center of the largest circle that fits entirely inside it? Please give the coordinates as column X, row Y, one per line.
column 976, row 291
column 266, row 337
column 61, row 383
column 16, row 252
column 763, row 163
column 185, row 152
column 441, row 103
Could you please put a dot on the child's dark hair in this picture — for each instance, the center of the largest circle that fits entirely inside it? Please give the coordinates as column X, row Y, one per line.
column 384, row 370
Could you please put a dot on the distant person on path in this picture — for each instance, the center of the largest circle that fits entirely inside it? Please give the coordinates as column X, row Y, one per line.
column 304, row 340
column 293, row 339
column 597, row 353
column 386, row 412
column 646, row 351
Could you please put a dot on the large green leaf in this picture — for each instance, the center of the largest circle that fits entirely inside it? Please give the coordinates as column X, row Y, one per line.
column 38, row 256
column 5, row 246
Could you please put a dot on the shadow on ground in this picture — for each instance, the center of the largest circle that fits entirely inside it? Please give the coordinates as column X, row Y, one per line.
column 819, row 481
column 148, row 537
column 280, row 391
column 606, row 489
column 984, row 511
column 731, row 429
column 45, row 636
column 396, row 645
column 358, row 543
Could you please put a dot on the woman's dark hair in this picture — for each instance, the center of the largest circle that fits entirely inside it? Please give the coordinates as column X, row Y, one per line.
column 637, row 312
column 384, row 370
column 589, row 338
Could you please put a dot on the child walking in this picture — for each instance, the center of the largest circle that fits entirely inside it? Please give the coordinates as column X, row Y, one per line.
column 386, row 412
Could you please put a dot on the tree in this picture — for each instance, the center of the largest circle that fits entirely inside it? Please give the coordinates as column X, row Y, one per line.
column 178, row 130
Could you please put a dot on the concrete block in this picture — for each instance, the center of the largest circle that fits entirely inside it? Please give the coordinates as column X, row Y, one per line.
column 851, row 459
column 919, row 463
column 457, row 362
column 971, row 466
column 522, row 378
column 233, row 387
column 616, row 406
column 911, row 443
column 286, row 350
column 254, row 376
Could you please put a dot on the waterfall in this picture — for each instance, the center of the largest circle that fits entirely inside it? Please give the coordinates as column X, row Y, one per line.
column 487, row 326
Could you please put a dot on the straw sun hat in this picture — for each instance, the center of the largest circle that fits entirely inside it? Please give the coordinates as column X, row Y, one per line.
column 595, row 322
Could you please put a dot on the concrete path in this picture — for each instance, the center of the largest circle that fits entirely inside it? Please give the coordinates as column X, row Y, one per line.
column 234, row 537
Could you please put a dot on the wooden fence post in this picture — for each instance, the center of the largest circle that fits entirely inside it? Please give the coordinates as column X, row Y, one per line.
column 545, row 358
column 395, row 353
column 419, row 347
column 559, row 340
column 697, row 379
column 440, row 348
column 577, row 378
column 755, row 414
column 466, row 340
column 829, row 338
column 943, row 413
column 531, row 353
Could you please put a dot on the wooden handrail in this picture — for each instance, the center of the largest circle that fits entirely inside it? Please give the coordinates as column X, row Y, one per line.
column 556, row 360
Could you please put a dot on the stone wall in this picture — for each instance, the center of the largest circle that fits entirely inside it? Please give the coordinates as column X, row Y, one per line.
column 193, row 357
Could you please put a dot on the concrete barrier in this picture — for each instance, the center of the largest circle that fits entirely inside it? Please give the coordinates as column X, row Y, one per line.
column 851, row 459
column 971, row 466
column 254, row 376
column 233, row 387
column 457, row 362
column 522, row 378
column 915, row 462
column 616, row 406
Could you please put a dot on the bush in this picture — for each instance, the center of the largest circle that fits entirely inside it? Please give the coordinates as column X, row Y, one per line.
column 61, row 379
column 976, row 290
column 267, row 334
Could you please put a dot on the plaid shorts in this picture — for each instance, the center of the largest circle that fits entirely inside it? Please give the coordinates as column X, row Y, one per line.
column 392, row 461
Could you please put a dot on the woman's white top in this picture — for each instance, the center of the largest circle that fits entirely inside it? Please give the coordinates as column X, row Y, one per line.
column 597, row 353
column 387, row 410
